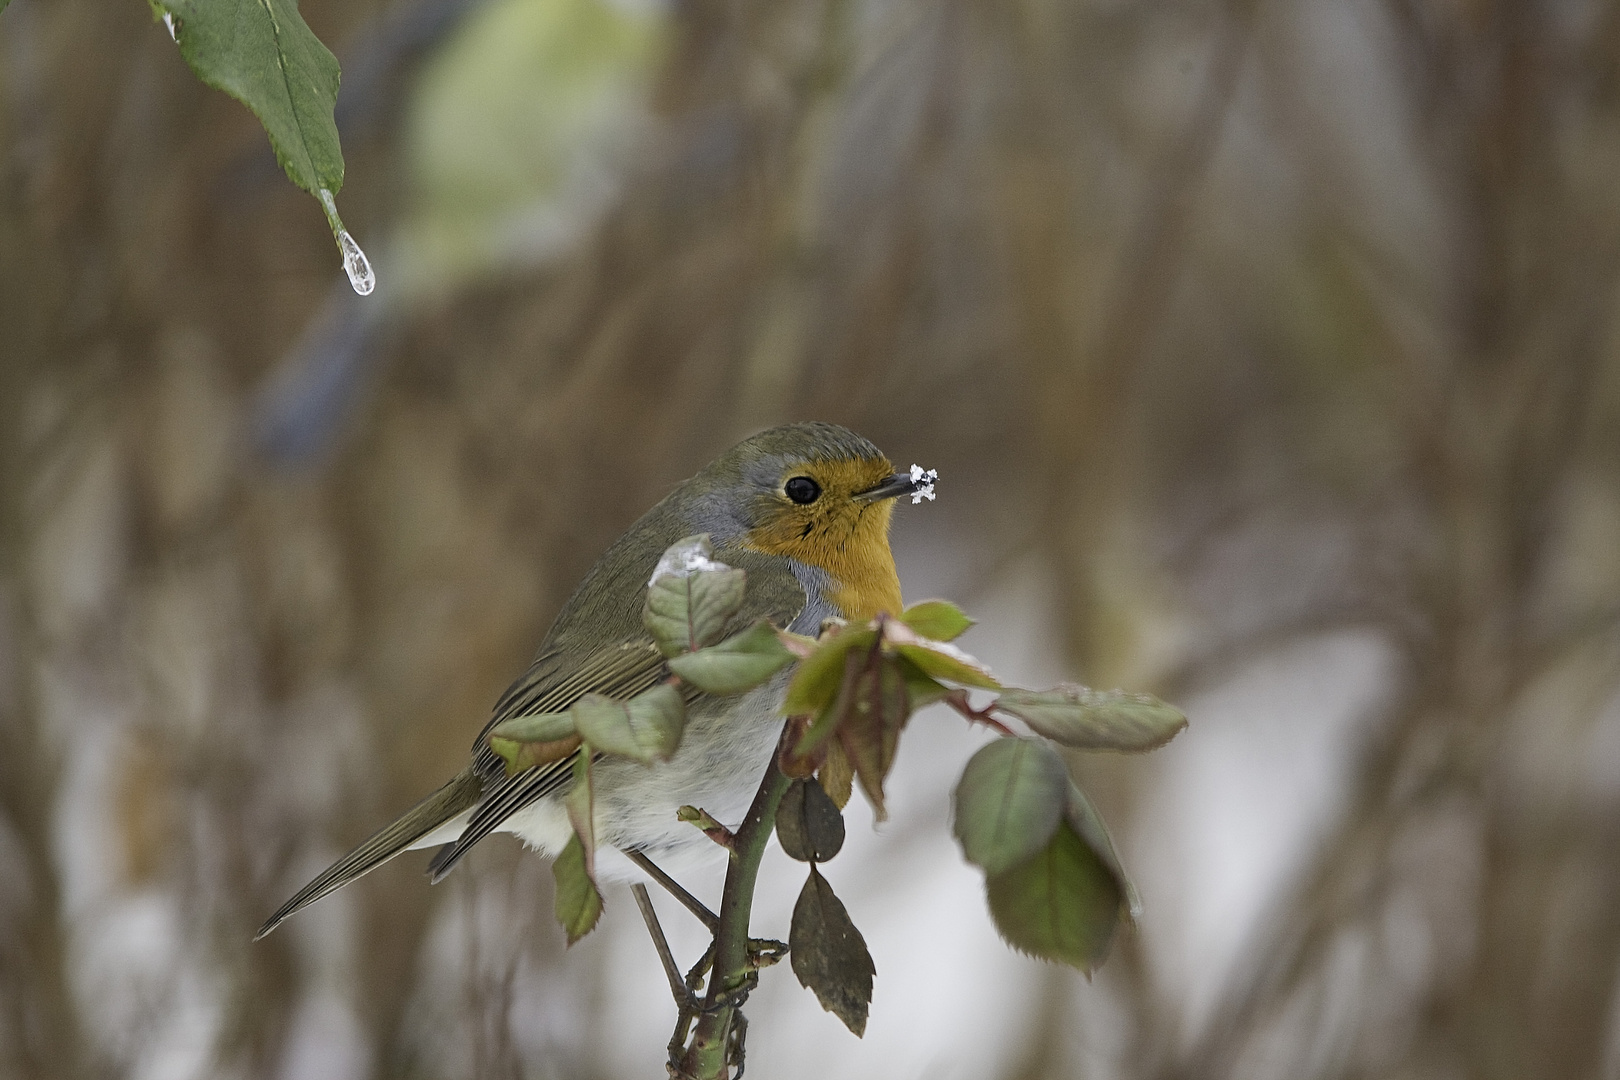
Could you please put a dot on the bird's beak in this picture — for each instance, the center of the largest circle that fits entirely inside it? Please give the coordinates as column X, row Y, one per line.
column 895, row 486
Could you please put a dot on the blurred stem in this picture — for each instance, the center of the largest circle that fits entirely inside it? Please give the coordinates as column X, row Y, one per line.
column 1085, row 390
column 44, row 1015
column 34, row 987
column 706, row 1056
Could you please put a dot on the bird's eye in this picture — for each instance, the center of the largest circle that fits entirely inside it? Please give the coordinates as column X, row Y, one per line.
column 802, row 490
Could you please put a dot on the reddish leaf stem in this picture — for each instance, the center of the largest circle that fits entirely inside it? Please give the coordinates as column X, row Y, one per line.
column 958, row 700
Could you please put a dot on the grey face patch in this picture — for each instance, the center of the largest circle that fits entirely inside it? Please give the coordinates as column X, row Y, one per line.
column 817, row 583
column 766, row 474
column 722, row 518
column 764, row 478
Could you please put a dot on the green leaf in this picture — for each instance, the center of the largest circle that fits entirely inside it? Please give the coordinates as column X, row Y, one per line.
column 538, row 739
column 939, row 620
column 1060, row 905
column 536, row 727
column 578, row 904
column 947, row 662
column 922, row 689
column 647, row 727
column 1088, row 824
column 580, row 802
column 826, row 721
column 829, row 955
column 261, row 53
column 816, row 682
column 741, row 662
column 808, row 823
column 1009, row 802
column 1095, row 719
column 690, row 597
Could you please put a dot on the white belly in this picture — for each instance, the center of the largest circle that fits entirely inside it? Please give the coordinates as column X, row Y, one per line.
column 717, row 768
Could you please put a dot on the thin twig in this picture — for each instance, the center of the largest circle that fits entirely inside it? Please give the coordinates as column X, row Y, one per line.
column 708, row 918
column 677, row 985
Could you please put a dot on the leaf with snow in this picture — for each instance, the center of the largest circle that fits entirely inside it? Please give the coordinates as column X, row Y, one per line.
column 690, row 597
column 945, row 661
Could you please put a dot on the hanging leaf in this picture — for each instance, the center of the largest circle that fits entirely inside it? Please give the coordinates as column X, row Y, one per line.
column 647, row 727
column 1088, row 825
column 740, row 662
column 829, row 955
column 1008, row 803
column 836, row 775
column 1095, row 719
column 690, row 597
column 869, row 731
column 578, row 904
column 796, row 766
column 261, row 53
column 808, row 823
column 1062, row 904
column 525, row 742
column 939, row 620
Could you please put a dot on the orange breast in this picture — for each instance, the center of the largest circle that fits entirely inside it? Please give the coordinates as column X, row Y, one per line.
column 849, row 539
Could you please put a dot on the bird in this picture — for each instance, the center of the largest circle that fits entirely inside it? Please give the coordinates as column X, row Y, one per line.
column 805, row 510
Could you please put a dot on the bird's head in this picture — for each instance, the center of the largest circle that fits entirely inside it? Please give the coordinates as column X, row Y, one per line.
column 818, row 494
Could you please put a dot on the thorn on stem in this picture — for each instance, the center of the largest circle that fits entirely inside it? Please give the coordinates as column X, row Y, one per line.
column 958, row 700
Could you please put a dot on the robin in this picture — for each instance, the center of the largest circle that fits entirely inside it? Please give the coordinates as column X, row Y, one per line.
column 804, row 509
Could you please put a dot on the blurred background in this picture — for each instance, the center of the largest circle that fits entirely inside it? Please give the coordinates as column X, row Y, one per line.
column 1268, row 354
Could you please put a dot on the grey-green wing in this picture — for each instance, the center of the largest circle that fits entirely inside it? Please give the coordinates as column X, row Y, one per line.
column 622, row 670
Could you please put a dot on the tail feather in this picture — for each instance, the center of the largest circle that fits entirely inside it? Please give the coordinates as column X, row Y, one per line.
column 420, row 820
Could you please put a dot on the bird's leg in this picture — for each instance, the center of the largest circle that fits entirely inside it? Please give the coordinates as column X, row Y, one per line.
column 762, row 952
column 690, row 902
column 687, row 1003
column 736, row 1039
column 677, row 987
